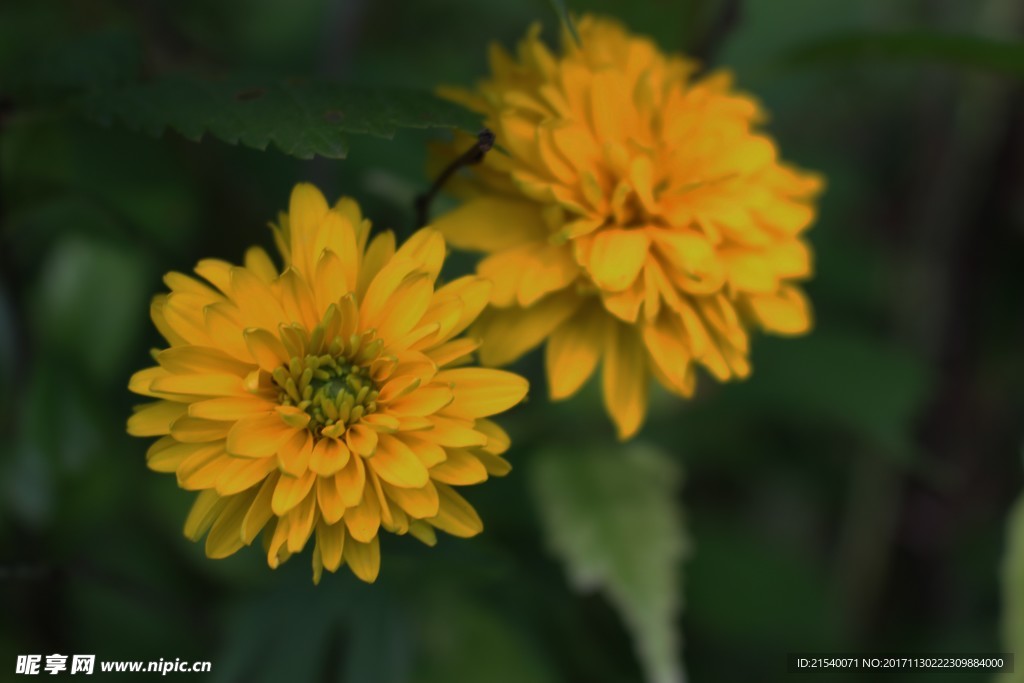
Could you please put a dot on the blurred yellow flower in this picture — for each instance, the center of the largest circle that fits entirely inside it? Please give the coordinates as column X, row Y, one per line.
column 632, row 213
column 326, row 400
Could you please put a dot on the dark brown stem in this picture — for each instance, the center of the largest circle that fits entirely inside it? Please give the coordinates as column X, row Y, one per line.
column 722, row 24
column 473, row 155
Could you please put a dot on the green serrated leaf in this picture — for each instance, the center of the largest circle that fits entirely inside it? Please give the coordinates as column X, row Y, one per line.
column 1012, row 577
column 611, row 516
column 562, row 12
column 959, row 50
column 301, row 117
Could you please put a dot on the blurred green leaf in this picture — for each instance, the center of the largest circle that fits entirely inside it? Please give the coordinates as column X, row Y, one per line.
column 562, row 11
column 464, row 641
column 755, row 593
column 43, row 51
column 958, row 50
column 1013, row 589
column 301, row 117
column 845, row 377
column 610, row 514
column 341, row 631
column 91, row 304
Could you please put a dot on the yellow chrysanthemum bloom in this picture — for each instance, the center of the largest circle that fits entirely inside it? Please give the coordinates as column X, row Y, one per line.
column 325, row 400
column 632, row 213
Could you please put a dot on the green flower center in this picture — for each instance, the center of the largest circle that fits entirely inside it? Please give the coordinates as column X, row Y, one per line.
column 333, row 391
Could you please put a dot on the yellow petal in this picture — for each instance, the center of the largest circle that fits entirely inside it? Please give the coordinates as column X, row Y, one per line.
column 203, row 513
column 290, row 491
column 422, row 401
column 363, row 520
column 328, row 494
column 363, row 558
column 425, row 248
column 498, row 440
column 509, row 333
column 329, row 456
column 453, row 352
column 294, row 454
column 307, row 209
column 455, row 514
column 427, row 452
column 259, row 437
column 260, row 512
column 266, row 349
column 616, row 257
column 406, row 307
column 750, row 271
column 256, row 260
column 201, row 469
column 200, row 360
column 572, row 352
column 453, row 432
column 480, row 392
column 375, row 303
column 495, row 465
column 378, row 253
column 491, row 224
column 786, row 312
column 302, row 519
column 330, row 539
column 242, row 473
column 297, row 299
column 200, row 385
column 194, row 430
column 331, row 280
column 165, row 454
column 140, row 381
column 361, row 439
column 461, row 468
column 155, row 419
column 257, row 304
column 418, row 503
column 351, row 481
column 230, row 408
column 624, row 379
column 225, row 537
column 423, row 532
column 471, row 293
column 395, row 463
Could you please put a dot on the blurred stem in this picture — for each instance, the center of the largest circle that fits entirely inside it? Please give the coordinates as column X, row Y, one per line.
column 866, row 539
column 710, row 37
column 473, row 155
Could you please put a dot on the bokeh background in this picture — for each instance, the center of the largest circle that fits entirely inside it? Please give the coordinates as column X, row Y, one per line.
column 854, row 495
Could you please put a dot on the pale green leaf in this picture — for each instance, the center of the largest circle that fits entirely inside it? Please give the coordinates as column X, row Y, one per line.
column 301, row 117
column 1013, row 590
column 611, row 515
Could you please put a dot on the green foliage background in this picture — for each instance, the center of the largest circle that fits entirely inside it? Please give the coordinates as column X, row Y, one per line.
column 853, row 495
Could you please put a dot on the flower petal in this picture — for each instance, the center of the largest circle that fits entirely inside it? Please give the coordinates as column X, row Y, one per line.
column 395, row 463
column 480, row 392
column 624, row 379
column 455, row 514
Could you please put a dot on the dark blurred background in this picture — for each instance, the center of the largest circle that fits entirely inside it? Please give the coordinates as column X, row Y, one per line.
column 851, row 496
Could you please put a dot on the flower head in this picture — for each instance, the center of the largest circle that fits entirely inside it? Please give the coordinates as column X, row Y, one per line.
column 325, row 401
column 633, row 213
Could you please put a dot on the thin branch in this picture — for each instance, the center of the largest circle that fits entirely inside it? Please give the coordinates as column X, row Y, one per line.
column 473, row 155
column 710, row 43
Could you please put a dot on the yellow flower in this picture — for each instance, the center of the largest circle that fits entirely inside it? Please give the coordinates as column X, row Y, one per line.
column 325, row 400
column 632, row 213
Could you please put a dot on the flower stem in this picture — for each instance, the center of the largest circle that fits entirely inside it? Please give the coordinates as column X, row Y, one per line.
column 473, row 155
